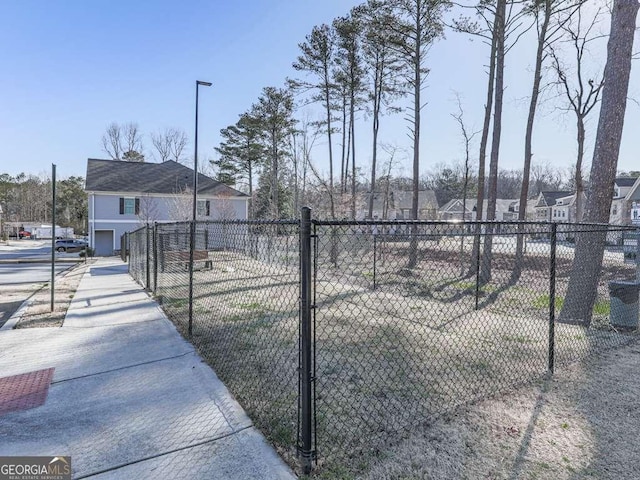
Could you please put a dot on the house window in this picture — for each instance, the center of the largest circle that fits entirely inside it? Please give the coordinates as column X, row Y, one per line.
column 614, row 211
column 129, row 206
column 564, row 214
column 555, row 214
column 204, row 208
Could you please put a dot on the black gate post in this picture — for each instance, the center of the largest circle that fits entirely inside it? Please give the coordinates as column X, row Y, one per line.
column 148, row 258
column 306, row 367
column 552, row 297
column 192, row 246
column 155, row 257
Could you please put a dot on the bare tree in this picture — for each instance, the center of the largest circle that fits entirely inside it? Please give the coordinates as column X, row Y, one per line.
column 304, row 139
column 180, row 205
column 148, row 211
column 123, row 142
column 581, row 94
column 467, row 138
column 543, row 11
column 112, row 142
column 169, row 144
column 390, row 165
column 587, row 264
column 132, row 143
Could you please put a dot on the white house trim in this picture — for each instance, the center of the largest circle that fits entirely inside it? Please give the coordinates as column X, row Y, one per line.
column 208, row 196
column 106, row 220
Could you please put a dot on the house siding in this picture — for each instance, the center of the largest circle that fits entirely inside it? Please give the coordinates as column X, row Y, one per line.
column 105, row 212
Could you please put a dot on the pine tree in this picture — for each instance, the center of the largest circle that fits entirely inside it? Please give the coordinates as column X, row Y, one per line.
column 241, row 154
column 274, row 115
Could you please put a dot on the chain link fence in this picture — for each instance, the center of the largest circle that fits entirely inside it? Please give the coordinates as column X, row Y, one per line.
column 340, row 337
column 138, row 256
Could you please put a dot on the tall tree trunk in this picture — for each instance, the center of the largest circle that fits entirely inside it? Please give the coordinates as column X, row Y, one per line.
column 274, row 186
column 484, row 140
column 485, row 267
column 578, row 175
column 327, row 99
column 533, row 105
column 587, row 264
column 343, row 175
column 296, row 190
column 413, row 244
column 353, row 156
column 347, row 158
column 377, row 92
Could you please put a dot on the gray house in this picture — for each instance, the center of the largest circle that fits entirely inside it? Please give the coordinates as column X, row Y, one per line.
column 506, row 210
column 397, row 205
column 123, row 196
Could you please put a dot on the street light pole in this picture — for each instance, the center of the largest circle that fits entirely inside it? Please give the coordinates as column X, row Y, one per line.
column 192, row 236
column 53, row 235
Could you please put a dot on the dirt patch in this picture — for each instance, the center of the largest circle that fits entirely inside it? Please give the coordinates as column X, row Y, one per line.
column 38, row 313
column 582, row 423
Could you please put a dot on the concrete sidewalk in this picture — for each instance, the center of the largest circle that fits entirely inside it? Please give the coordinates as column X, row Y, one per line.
column 130, row 398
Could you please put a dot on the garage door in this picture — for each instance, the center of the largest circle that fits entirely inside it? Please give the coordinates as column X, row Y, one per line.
column 104, row 243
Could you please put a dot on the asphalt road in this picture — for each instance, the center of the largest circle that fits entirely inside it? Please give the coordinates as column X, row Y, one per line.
column 31, row 250
column 23, row 273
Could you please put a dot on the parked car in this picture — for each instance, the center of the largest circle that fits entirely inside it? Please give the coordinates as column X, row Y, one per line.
column 24, row 234
column 70, row 245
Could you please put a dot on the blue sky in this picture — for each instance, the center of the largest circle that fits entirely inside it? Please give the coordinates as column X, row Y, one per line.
column 70, row 68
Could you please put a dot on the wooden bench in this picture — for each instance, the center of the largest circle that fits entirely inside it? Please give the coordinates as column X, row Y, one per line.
column 181, row 257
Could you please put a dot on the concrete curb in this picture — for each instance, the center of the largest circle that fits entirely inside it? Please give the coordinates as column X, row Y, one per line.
column 17, row 315
column 13, row 320
column 36, row 260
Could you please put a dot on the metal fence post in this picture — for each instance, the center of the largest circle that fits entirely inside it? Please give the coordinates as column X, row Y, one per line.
column 155, row 257
column 375, row 244
column 306, row 374
column 192, row 240
column 148, row 255
column 552, row 297
column 478, row 264
column 127, row 256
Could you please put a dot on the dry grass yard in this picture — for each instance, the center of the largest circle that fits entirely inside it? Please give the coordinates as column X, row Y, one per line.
column 409, row 354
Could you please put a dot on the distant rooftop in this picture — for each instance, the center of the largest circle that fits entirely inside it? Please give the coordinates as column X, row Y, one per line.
column 167, row 177
column 625, row 181
column 550, row 197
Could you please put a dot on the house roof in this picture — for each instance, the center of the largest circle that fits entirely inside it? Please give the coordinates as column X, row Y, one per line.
column 455, row 205
column 625, row 181
column 426, row 199
column 548, row 198
column 167, row 177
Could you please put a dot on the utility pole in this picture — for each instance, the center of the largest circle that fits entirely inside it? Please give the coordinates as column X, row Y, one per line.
column 53, row 233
